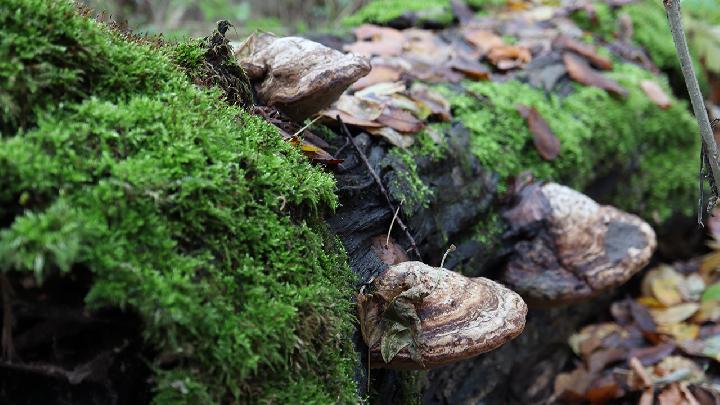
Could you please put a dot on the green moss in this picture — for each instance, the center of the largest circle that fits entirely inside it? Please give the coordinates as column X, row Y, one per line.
column 185, row 210
column 489, row 231
column 407, row 186
column 431, row 141
column 602, row 20
column 598, row 134
column 437, row 11
column 383, row 11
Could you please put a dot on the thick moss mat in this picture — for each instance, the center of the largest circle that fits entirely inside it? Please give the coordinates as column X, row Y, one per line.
column 184, row 209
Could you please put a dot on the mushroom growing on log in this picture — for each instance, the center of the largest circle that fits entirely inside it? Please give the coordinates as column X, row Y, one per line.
column 297, row 76
column 415, row 316
column 569, row 248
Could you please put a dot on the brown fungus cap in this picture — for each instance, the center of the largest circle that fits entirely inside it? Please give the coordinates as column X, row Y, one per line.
column 568, row 248
column 297, row 76
column 414, row 316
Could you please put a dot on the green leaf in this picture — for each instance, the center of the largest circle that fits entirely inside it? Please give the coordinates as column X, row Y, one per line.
column 711, row 293
column 395, row 339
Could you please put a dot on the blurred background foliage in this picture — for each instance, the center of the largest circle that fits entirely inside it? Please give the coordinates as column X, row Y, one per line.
column 178, row 18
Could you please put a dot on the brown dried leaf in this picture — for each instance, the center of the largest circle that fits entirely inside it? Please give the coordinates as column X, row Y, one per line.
column 390, row 254
column 648, row 397
column 436, row 104
column 360, row 108
column 671, row 395
column 656, row 94
column 506, row 57
column 394, row 137
column 349, row 119
column 472, row 69
column 374, row 40
column 585, row 50
column 482, row 39
column 378, row 74
column 400, row 120
column 580, row 71
column 546, row 143
column 603, row 394
column 601, row 358
column 653, row 354
column 640, row 377
column 576, row 381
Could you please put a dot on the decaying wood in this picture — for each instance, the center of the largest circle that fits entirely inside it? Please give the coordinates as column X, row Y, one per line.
column 298, row 76
column 455, row 317
column 570, row 248
column 379, row 182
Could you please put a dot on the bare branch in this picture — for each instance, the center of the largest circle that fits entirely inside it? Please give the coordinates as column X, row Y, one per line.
column 672, row 8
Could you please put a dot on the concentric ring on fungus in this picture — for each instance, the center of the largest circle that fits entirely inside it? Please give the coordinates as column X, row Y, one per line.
column 457, row 317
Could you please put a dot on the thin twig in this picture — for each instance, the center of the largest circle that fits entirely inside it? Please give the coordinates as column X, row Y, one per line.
column 299, row 131
column 672, row 7
column 379, row 183
column 397, row 211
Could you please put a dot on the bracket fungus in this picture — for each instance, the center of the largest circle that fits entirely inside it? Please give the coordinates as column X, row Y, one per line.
column 568, row 248
column 297, row 76
column 414, row 316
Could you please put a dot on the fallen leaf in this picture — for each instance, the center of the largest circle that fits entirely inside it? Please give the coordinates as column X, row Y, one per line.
column 432, row 100
column 426, row 46
column 374, row 40
column 640, row 376
column 394, row 137
column 400, row 120
column 653, row 354
column 395, row 339
column 390, row 253
column 484, row 40
column 642, row 317
column 603, row 394
column 349, row 119
column 662, row 283
column 712, row 293
column 472, row 69
column 508, row 57
column 680, row 331
column 656, row 94
column 709, row 311
column 580, row 71
column 601, row 358
column 545, row 141
column 671, row 395
column 361, row 108
column 647, row 397
column 576, row 381
column 585, row 50
column 378, row 74
column 379, row 90
column 675, row 314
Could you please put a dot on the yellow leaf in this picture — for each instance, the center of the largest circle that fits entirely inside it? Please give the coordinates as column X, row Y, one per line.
column 680, row 331
column 650, row 302
column 675, row 314
column 666, row 291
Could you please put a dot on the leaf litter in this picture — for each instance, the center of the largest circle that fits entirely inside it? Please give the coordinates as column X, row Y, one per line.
column 661, row 347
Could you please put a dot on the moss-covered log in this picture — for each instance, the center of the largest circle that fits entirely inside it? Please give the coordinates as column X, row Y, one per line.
column 148, row 193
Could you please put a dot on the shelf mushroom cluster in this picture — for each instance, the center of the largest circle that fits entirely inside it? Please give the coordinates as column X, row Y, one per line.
column 568, row 248
column 415, row 316
column 297, row 76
